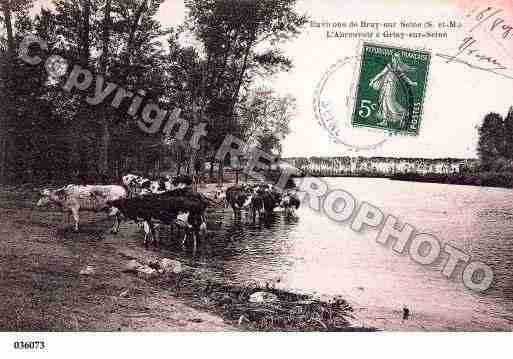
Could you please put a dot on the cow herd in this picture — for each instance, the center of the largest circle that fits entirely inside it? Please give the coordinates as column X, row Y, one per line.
column 167, row 201
column 260, row 200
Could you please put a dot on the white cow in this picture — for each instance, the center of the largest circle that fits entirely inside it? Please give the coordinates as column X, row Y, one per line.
column 75, row 198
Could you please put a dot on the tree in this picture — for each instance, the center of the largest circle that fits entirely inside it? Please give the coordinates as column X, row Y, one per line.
column 508, row 134
column 211, row 80
column 265, row 119
column 239, row 43
column 13, row 17
column 104, row 60
column 137, row 62
column 491, row 143
column 119, row 40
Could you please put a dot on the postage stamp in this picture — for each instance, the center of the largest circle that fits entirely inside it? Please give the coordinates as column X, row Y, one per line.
column 390, row 88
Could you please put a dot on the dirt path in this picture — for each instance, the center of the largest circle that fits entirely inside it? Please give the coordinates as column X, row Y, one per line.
column 40, row 260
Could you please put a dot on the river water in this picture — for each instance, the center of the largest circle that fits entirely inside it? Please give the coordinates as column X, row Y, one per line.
column 318, row 256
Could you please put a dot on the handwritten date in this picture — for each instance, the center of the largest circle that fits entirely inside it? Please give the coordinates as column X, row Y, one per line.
column 490, row 17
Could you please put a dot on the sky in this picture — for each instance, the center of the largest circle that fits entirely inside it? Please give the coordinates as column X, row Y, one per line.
column 457, row 96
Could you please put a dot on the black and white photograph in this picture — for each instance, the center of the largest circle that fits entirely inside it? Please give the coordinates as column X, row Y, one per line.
column 282, row 167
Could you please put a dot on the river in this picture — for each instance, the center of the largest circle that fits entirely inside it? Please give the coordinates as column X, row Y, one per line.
column 318, row 256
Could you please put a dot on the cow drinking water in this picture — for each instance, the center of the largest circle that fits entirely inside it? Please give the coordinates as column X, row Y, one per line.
column 290, row 202
column 238, row 197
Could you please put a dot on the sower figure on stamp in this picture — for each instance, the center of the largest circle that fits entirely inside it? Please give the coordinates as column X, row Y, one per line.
column 389, row 83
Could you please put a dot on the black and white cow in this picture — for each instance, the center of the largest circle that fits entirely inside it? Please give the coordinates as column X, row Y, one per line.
column 239, row 197
column 271, row 198
column 182, row 207
column 140, row 186
column 136, row 185
column 290, row 203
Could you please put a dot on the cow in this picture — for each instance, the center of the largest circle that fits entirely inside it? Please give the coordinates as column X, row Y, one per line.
column 75, row 198
column 290, row 202
column 140, row 186
column 182, row 207
column 239, row 197
column 168, row 183
column 271, row 199
column 136, row 185
column 259, row 199
column 181, row 180
column 220, row 197
column 267, row 198
column 256, row 205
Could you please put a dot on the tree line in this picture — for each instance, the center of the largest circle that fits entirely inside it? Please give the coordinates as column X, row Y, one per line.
column 495, row 143
column 209, row 68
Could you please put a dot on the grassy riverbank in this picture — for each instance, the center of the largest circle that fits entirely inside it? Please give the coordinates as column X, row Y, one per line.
column 43, row 288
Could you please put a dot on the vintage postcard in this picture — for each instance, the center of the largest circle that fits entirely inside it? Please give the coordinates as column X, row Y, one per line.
column 254, row 166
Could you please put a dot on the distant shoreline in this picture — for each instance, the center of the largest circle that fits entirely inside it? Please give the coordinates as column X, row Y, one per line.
column 483, row 179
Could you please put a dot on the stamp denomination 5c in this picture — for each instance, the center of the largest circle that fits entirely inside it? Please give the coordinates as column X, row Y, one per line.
column 391, row 88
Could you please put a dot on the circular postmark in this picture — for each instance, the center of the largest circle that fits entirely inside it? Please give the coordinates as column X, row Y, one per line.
column 393, row 107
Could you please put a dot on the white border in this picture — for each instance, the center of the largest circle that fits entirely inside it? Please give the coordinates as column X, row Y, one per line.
column 262, row 345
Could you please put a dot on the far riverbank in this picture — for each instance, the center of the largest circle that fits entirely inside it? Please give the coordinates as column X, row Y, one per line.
column 483, row 179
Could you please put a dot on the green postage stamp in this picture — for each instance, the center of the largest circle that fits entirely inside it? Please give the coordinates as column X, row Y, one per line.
column 391, row 88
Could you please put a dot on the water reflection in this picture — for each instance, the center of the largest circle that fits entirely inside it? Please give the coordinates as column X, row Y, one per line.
column 247, row 251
